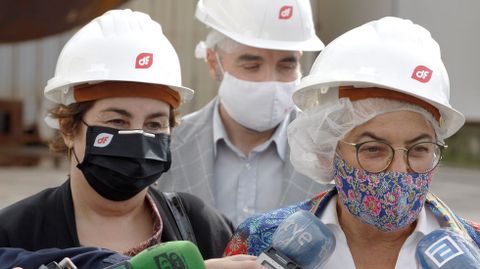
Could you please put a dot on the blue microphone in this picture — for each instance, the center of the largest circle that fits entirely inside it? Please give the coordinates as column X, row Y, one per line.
column 301, row 241
column 445, row 249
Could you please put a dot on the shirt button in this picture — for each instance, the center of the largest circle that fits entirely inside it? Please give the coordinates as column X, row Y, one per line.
column 248, row 166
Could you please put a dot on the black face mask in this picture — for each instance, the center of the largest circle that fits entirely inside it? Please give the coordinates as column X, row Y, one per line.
column 118, row 164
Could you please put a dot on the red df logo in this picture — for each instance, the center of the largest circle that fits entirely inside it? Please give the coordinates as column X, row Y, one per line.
column 102, row 140
column 285, row 13
column 144, row 60
column 422, row 74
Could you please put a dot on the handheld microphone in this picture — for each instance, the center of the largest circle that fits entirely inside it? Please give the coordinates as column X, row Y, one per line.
column 169, row 255
column 446, row 249
column 300, row 241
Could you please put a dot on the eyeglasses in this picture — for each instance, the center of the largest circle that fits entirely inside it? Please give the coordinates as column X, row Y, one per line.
column 376, row 156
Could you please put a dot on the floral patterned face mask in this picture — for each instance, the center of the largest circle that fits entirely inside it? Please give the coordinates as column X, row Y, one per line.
column 389, row 201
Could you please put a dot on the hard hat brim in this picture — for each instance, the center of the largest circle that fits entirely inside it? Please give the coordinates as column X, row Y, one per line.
column 63, row 94
column 312, row 44
column 310, row 88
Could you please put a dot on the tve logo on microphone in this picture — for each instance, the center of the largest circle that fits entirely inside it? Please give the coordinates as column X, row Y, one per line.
column 285, row 13
column 422, row 74
column 102, row 140
column 144, row 60
column 297, row 230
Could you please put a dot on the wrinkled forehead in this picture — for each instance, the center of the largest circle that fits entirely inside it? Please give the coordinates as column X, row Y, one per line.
column 393, row 117
column 396, row 126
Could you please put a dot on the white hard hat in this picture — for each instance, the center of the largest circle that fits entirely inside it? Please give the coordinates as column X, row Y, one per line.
column 278, row 25
column 390, row 53
column 120, row 45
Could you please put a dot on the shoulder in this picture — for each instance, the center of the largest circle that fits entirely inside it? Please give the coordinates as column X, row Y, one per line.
column 202, row 212
column 473, row 230
column 212, row 229
column 255, row 234
column 32, row 205
column 199, row 213
column 25, row 216
column 449, row 218
column 83, row 257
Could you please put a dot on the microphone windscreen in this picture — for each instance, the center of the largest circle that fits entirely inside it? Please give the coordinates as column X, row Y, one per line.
column 305, row 239
column 446, row 249
column 169, row 255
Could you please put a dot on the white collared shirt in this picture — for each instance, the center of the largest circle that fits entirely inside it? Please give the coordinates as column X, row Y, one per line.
column 342, row 257
column 247, row 185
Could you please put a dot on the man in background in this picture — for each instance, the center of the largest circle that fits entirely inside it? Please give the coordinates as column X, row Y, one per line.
column 233, row 153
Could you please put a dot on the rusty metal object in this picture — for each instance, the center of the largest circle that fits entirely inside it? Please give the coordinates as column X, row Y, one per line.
column 22, row 20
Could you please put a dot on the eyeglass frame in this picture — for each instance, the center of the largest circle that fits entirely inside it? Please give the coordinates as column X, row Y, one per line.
column 406, row 150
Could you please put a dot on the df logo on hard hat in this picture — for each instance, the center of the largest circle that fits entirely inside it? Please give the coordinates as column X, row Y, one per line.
column 144, row 60
column 285, row 13
column 422, row 74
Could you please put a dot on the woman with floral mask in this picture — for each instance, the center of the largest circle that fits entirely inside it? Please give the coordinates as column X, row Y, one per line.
column 116, row 86
column 376, row 113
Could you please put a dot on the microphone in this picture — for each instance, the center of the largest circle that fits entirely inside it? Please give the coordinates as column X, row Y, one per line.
column 169, row 255
column 445, row 249
column 301, row 241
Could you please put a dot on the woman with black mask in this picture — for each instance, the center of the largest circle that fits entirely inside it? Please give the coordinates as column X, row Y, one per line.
column 116, row 86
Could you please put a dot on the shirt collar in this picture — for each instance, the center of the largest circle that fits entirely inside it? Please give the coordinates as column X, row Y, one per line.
column 279, row 137
column 426, row 223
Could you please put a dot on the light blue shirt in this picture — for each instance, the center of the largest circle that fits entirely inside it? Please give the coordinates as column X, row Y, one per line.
column 247, row 185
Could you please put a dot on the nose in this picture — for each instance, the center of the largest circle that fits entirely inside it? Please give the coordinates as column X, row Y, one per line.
column 268, row 74
column 136, row 125
column 399, row 162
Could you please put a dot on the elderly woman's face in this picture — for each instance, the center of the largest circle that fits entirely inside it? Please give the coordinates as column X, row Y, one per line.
column 124, row 113
column 400, row 129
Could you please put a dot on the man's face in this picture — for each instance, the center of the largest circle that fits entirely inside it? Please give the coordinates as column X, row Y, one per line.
column 255, row 64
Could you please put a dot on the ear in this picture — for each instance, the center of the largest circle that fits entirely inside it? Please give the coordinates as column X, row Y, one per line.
column 67, row 139
column 213, row 68
column 67, row 136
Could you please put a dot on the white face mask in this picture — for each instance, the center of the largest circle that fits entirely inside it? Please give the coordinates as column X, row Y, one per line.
column 258, row 106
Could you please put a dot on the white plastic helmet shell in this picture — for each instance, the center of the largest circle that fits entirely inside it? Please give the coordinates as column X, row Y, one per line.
column 278, row 25
column 120, row 45
column 391, row 53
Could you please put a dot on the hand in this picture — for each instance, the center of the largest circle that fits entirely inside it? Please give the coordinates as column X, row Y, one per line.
column 234, row 262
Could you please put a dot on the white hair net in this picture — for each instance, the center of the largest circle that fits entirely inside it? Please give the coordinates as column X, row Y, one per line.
column 314, row 134
column 214, row 40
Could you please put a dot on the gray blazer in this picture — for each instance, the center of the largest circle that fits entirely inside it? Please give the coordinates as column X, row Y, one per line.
column 193, row 163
